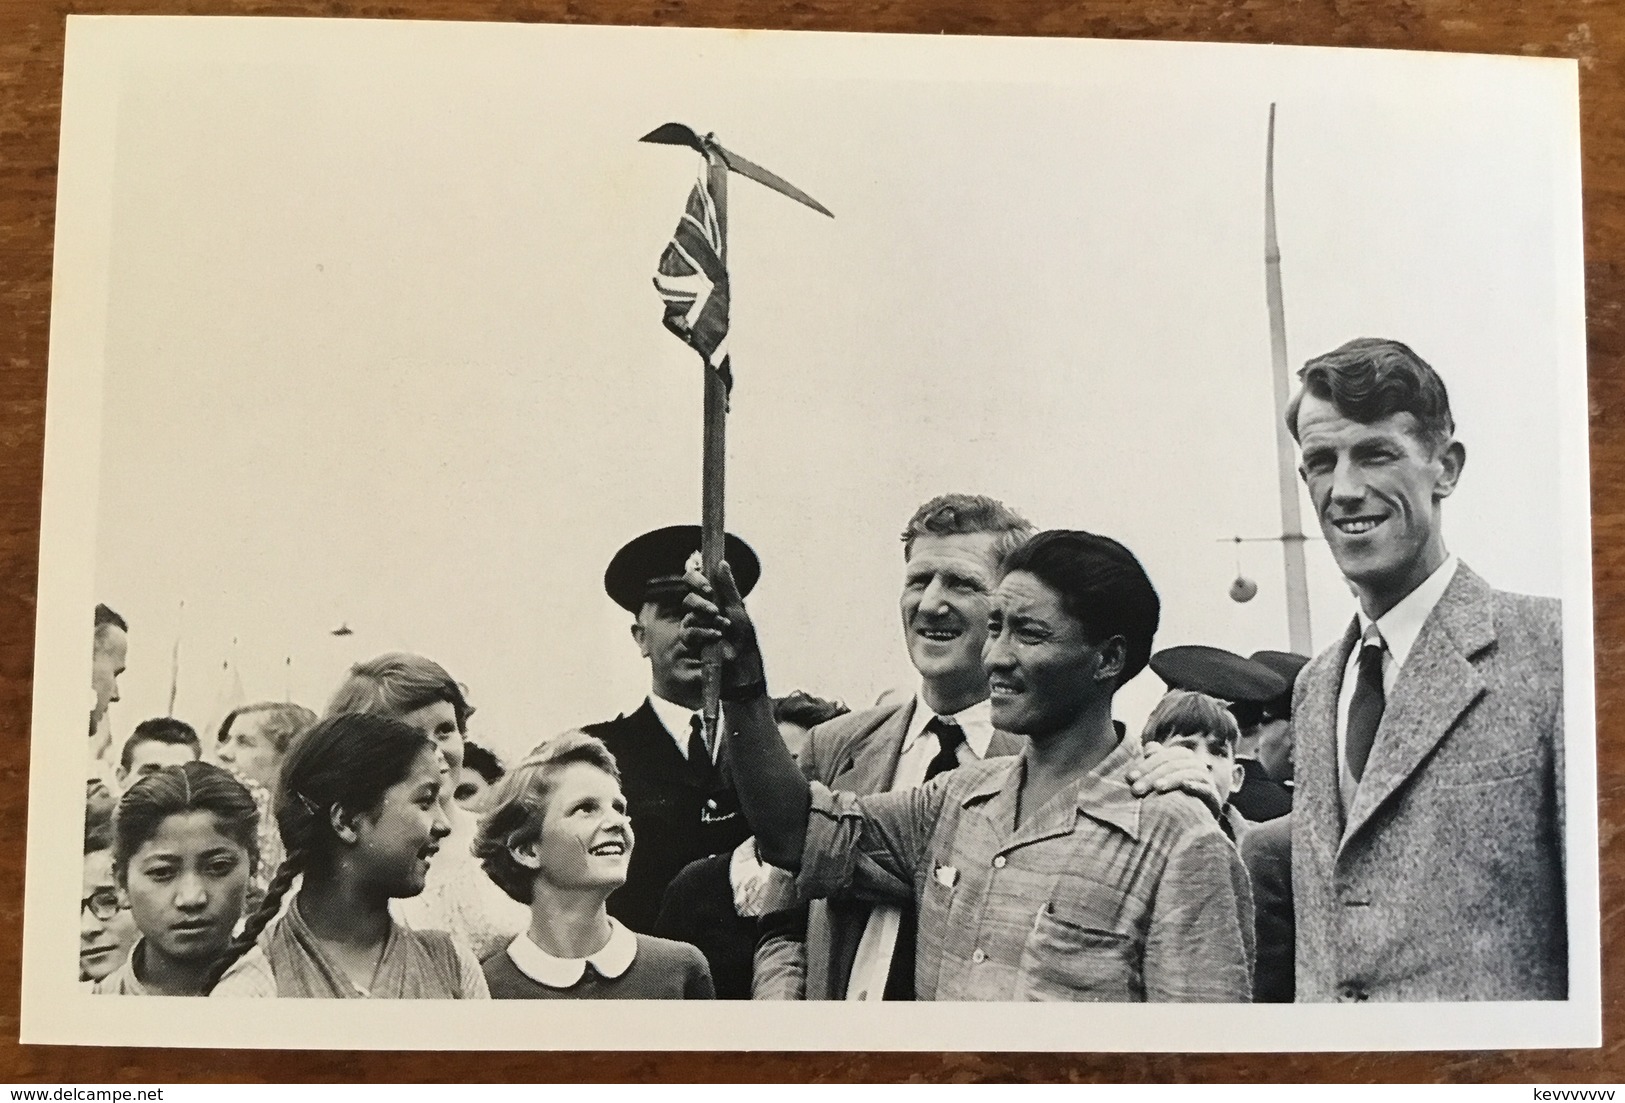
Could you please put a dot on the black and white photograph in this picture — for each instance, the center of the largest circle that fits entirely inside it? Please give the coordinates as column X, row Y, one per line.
column 847, row 529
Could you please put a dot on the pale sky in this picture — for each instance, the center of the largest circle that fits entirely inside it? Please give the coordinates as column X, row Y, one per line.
column 383, row 350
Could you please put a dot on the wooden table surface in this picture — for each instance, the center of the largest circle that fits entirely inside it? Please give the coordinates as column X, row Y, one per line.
column 31, row 38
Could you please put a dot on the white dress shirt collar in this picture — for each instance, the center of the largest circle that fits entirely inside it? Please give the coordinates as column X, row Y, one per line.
column 976, row 722
column 1403, row 623
column 677, row 720
column 561, row 972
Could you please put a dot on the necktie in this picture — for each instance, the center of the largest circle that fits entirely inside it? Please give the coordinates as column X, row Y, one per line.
column 699, row 752
column 900, row 978
column 1365, row 708
column 949, row 736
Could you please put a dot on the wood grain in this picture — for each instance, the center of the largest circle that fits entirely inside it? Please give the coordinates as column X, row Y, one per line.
column 31, row 41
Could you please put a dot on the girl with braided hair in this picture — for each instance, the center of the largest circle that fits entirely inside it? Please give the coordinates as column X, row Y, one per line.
column 458, row 897
column 358, row 807
column 185, row 843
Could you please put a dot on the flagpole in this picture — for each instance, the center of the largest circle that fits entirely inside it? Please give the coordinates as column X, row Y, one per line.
column 1292, row 535
column 175, row 660
column 712, row 469
column 686, row 317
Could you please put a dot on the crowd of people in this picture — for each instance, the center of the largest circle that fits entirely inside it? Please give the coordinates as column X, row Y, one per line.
column 1383, row 821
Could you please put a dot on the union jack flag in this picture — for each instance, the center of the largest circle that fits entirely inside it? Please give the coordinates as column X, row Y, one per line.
column 693, row 282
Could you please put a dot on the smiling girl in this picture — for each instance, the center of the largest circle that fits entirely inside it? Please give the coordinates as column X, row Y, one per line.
column 458, row 897
column 557, row 838
column 184, row 850
column 358, row 806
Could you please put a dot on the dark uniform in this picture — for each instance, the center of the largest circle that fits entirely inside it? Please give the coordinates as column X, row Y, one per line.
column 682, row 807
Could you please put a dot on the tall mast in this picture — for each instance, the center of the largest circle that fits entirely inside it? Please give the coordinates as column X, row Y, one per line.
column 1292, row 536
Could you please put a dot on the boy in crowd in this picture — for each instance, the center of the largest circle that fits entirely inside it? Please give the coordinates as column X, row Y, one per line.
column 106, row 927
column 1205, row 727
column 153, row 745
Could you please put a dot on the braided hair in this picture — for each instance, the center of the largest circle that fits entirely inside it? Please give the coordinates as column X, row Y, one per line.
column 348, row 761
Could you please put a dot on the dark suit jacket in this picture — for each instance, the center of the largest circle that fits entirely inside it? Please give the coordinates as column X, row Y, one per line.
column 698, row 909
column 1447, row 881
column 676, row 819
column 857, row 753
column 1267, row 852
column 1261, row 797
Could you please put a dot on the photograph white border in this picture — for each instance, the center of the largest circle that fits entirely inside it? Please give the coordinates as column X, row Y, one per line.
column 56, row 1011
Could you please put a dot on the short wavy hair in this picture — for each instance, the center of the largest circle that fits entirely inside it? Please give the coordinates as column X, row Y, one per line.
column 964, row 515
column 397, row 684
column 283, row 721
column 161, row 729
column 1369, row 379
column 518, row 805
column 1186, row 712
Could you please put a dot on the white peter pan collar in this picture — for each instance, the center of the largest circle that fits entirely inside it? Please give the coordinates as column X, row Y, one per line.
column 562, row 972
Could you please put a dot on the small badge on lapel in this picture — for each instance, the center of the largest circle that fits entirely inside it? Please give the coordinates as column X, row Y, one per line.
column 715, row 813
column 946, row 876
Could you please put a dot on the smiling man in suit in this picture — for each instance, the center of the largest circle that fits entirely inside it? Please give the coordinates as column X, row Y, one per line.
column 680, row 803
column 1427, row 837
column 951, row 552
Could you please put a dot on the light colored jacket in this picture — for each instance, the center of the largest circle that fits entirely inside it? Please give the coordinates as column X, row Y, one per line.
column 1447, row 881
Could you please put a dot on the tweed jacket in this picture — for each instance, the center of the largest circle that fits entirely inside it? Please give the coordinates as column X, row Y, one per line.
column 855, row 753
column 1447, row 880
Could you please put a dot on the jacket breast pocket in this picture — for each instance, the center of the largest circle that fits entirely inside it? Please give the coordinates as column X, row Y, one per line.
column 1481, row 772
column 1064, row 961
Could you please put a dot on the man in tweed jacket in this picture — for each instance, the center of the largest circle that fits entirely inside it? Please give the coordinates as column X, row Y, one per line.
column 1427, row 841
column 951, row 551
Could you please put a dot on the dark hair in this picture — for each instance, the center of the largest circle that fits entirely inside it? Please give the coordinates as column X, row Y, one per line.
column 805, row 710
column 99, row 805
column 519, row 804
column 283, row 721
column 964, row 514
column 161, row 729
column 348, row 761
column 1185, row 712
column 399, row 683
column 1368, row 379
column 177, row 790
column 1101, row 585
column 105, row 617
column 482, row 762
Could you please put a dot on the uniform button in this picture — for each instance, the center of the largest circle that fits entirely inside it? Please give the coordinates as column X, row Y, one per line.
column 998, row 863
column 978, row 956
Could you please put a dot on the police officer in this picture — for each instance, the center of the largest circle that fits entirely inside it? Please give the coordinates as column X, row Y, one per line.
column 680, row 801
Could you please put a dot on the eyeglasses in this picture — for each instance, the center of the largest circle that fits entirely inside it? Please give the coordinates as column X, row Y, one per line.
column 104, row 904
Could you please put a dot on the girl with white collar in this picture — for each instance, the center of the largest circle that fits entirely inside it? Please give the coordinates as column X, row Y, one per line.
column 558, row 839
